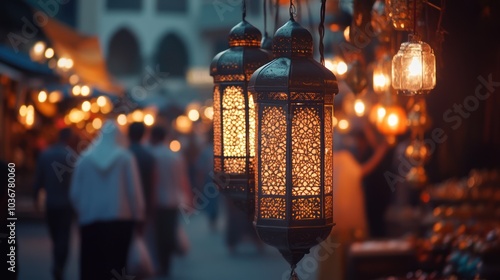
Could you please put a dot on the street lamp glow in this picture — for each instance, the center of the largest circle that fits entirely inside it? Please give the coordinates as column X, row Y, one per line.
column 175, row 146
column 42, row 96
column 359, row 107
column 86, row 106
column 85, row 90
column 101, row 101
column 193, row 115
column 121, row 119
column 77, row 90
column 49, row 53
column 343, row 124
column 149, row 120
column 97, row 123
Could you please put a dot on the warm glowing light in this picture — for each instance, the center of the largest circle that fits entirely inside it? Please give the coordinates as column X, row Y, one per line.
column 23, row 110
column 341, row 68
column 380, row 82
column 101, row 101
column 61, row 63
column 193, row 115
column 149, row 120
column 76, row 115
column 89, row 128
column 334, row 121
column 392, row 120
column 77, row 90
column 137, row 116
column 69, row 63
column 121, row 119
column 175, row 146
column 73, row 79
column 380, row 113
column 346, row 33
column 42, row 96
column 39, row 47
column 107, row 108
column 336, row 65
column 49, row 53
column 97, row 123
column 343, row 124
column 30, row 115
column 183, row 124
column 86, row 106
column 85, row 90
column 94, row 108
column 55, row 96
column 415, row 67
column 209, row 112
column 359, row 107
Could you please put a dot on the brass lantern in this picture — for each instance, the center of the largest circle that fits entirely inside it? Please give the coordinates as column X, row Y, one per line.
column 234, row 114
column 414, row 67
column 294, row 137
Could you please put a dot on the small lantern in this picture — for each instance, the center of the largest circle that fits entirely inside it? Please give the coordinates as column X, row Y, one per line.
column 402, row 13
column 382, row 75
column 414, row 67
column 234, row 114
column 294, row 135
column 393, row 122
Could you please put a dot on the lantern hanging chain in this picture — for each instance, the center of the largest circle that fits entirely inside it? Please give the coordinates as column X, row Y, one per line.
column 321, row 29
column 265, row 17
column 244, row 10
column 293, row 10
column 276, row 14
column 415, row 17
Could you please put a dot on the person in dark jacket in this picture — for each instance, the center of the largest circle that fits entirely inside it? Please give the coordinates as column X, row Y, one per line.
column 53, row 173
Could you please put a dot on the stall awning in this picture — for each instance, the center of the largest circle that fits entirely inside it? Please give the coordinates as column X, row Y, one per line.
column 85, row 51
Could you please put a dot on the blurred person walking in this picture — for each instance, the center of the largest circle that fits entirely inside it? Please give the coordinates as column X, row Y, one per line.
column 145, row 162
column 107, row 195
column 53, row 173
column 173, row 191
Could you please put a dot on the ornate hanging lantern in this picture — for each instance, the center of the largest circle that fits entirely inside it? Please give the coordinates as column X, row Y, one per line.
column 234, row 114
column 294, row 136
column 414, row 67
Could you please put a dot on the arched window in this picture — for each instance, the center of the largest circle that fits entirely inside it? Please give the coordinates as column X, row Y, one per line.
column 124, row 57
column 172, row 56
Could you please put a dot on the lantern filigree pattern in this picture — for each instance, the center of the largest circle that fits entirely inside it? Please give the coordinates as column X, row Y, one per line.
column 273, row 151
column 294, row 139
column 234, row 114
column 414, row 67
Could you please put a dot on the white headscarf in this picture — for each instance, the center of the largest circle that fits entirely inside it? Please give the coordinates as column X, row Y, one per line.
column 107, row 146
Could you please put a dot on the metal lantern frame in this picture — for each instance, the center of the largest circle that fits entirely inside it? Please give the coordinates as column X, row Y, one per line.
column 414, row 67
column 294, row 145
column 234, row 114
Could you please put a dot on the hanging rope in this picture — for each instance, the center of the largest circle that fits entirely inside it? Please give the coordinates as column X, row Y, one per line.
column 415, row 17
column 265, row 17
column 244, row 10
column 321, row 29
column 276, row 15
column 293, row 9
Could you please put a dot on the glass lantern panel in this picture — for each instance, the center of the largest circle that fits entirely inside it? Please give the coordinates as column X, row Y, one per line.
column 328, row 149
column 306, row 208
column 429, row 72
column 273, row 131
column 234, row 125
column 306, row 151
column 412, row 70
column 216, row 122
column 272, row 208
column 396, row 71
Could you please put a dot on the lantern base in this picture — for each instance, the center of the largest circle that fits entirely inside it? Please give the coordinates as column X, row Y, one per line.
column 412, row 92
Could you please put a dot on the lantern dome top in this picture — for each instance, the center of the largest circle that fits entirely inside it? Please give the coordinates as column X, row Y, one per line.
column 292, row 40
column 244, row 35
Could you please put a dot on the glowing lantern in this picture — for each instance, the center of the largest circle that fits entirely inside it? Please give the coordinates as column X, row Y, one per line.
column 294, row 159
column 37, row 51
column 234, row 114
column 382, row 75
column 394, row 122
column 414, row 67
